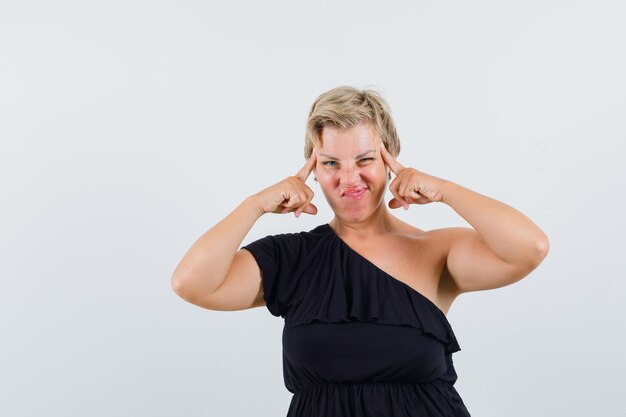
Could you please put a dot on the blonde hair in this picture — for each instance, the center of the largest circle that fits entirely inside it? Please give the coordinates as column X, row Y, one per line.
column 344, row 107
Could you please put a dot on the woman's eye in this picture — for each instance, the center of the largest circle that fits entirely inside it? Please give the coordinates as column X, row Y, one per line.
column 334, row 163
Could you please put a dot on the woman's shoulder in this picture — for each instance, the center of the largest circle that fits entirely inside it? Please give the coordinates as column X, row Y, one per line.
column 408, row 230
column 444, row 236
column 435, row 240
column 403, row 229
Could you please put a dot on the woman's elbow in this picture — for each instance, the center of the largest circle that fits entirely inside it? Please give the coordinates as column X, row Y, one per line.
column 542, row 248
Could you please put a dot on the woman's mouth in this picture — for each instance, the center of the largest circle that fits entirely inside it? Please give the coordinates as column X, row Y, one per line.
column 354, row 193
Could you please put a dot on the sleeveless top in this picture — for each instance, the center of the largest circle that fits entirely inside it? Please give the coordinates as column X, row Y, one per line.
column 357, row 342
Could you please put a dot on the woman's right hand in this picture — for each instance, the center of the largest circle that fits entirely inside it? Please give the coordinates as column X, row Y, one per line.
column 290, row 194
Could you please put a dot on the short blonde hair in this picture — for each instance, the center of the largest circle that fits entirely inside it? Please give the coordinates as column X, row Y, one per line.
column 344, row 107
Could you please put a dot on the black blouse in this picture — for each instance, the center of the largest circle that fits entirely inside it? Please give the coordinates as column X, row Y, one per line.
column 356, row 342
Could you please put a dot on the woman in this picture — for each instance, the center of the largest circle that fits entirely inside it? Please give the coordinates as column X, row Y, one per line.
column 364, row 296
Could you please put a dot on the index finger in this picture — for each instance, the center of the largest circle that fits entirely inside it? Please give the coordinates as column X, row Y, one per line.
column 390, row 160
column 305, row 171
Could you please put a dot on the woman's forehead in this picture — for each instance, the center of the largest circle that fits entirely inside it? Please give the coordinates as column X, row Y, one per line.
column 351, row 141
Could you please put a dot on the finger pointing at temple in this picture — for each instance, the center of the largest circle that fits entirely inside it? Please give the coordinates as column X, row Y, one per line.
column 305, row 171
column 391, row 162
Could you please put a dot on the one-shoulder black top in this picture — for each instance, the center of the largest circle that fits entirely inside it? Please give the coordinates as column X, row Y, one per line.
column 357, row 342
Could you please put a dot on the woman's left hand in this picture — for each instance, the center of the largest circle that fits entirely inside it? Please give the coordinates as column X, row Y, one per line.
column 411, row 186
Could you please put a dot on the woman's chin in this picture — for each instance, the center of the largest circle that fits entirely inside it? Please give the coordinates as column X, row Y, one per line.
column 353, row 212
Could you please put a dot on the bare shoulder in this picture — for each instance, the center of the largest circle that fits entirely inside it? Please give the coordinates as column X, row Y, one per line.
column 435, row 239
column 416, row 257
column 429, row 244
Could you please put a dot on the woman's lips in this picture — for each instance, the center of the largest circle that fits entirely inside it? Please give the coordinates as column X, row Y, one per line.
column 354, row 193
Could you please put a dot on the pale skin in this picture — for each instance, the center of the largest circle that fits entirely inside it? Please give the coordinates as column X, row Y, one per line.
column 502, row 246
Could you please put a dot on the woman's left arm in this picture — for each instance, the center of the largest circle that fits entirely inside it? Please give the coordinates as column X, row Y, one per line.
column 503, row 247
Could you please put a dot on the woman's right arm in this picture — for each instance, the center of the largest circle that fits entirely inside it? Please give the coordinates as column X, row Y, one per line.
column 206, row 264
column 213, row 274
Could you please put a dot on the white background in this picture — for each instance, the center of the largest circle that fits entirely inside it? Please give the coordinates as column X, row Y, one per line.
column 128, row 128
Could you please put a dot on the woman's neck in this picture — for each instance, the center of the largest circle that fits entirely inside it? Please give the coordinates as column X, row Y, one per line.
column 379, row 223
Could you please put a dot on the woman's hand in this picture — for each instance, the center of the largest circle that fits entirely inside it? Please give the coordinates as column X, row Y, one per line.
column 411, row 186
column 290, row 194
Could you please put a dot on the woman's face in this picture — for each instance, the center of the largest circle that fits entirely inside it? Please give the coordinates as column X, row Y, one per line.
column 350, row 171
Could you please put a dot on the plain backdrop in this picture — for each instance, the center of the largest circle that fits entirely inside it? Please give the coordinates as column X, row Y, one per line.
column 128, row 128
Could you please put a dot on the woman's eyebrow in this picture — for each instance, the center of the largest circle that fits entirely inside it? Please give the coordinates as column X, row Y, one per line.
column 357, row 157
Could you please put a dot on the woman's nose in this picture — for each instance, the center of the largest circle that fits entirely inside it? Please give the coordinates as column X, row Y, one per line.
column 349, row 175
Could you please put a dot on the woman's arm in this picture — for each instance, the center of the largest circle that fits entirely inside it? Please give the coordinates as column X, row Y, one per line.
column 509, row 233
column 503, row 247
column 206, row 263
